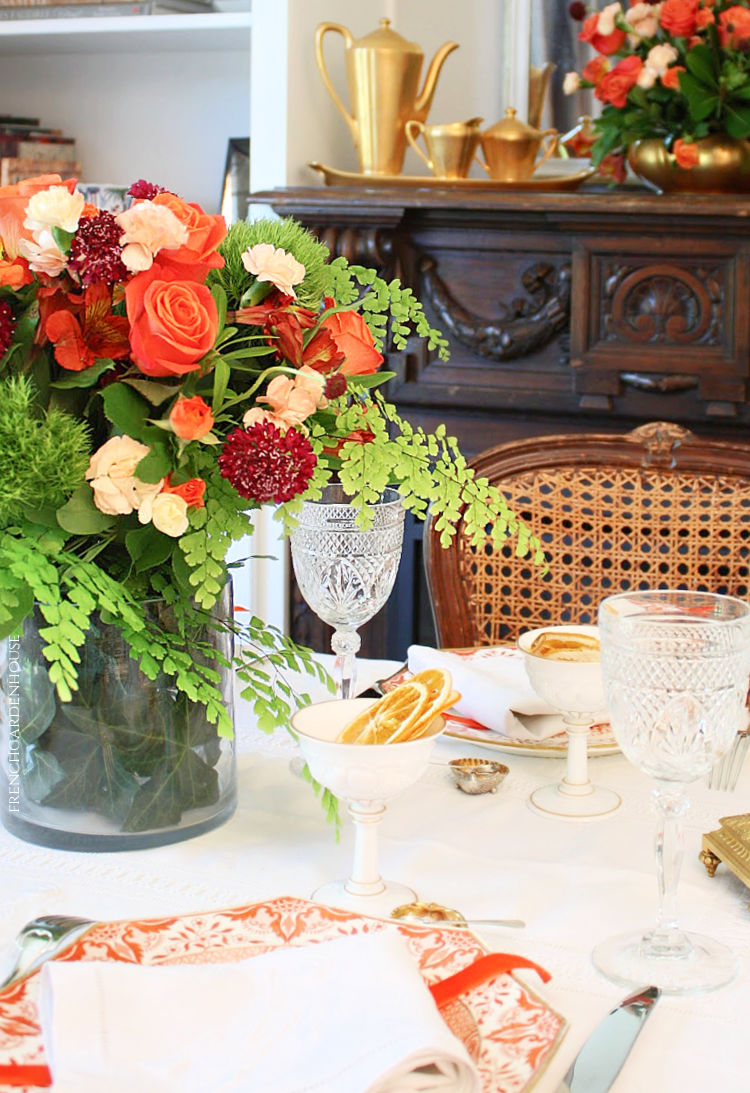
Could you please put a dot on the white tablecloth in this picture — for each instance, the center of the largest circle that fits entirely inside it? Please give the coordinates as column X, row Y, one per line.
column 489, row 856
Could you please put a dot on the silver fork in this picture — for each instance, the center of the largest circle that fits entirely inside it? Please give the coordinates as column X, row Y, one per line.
column 42, row 938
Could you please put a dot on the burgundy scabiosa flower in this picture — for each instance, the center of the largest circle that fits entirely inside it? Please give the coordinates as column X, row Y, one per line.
column 95, row 252
column 7, row 326
column 264, row 464
column 577, row 11
column 145, row 191
column 335, row 385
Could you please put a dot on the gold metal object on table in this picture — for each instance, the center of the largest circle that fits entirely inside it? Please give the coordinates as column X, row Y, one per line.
column 510, row 148
column 544, row 182
column 539, row 79
column 723, row 166
column 383, row 72
column 730, row 845
column 477, row 775
column 450, row 147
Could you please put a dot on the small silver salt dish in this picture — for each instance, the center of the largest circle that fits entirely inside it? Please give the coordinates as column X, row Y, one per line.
column 478, row 775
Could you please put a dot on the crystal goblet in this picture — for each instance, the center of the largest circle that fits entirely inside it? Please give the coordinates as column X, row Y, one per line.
column 366, row 776
column 675, row 667
column 574, row 688
column 346, row 570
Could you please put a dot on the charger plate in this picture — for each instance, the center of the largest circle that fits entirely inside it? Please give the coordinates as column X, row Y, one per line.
column 601, row 739
column 507, row 1029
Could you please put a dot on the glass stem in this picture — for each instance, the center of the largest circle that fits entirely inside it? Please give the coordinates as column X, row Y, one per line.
column 345, row 644
column 671, row 804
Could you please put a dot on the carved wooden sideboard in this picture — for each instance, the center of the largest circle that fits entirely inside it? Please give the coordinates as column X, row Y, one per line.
column 565, row 312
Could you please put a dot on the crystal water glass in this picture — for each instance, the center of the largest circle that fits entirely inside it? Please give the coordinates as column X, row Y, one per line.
column 676, row 667
column 346, row 567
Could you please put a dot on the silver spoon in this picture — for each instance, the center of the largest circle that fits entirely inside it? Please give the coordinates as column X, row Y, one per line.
column 435, row 913
column 40, row 939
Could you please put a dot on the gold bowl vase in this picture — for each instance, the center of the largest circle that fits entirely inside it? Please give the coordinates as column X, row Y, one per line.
column 723, row 166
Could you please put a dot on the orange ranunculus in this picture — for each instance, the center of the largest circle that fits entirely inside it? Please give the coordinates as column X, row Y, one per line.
column 671, row 77
column 734, row 27
column 356, row 436
column 191, row 418
column 192, row 491
column 704, row 18
column 679, row 17
column 13, row 202
column 80, row 338
column 595, row 69
column 614, row 86
column 352, row 336
column 205, row 233
column 602, row 43
column 685, row 154
column 15, row 274
column 173, row 322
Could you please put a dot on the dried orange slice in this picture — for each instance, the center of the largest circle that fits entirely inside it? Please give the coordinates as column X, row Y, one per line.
column 437, row 681
column 398, row 712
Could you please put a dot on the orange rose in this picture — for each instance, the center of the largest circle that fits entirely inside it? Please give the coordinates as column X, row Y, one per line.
column 205, row 233
column 704, row 18
column 352, row 336
column 679, row 17
column 13, row 202
column 671, row 77
column 685, row 154
column 602, row 43
column 191, row 418
column 615, row 85
column 595, row 69
column 173, row 322
column 192, row 491
column 734, row 27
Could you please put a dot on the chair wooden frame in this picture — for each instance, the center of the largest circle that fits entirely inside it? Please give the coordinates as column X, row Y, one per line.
column 655, row 507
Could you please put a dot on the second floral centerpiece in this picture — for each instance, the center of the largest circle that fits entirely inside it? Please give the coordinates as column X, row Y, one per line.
column 160, row 379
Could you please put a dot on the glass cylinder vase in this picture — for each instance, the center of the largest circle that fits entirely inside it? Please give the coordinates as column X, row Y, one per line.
column 130, row 762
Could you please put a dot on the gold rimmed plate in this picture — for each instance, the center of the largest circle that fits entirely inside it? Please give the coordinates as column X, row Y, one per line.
column 543, row 180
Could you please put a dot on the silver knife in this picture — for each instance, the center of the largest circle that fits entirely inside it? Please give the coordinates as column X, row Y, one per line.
column 601, row 1058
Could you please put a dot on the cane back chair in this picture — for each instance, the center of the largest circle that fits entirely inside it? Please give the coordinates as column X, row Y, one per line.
column 654, row 508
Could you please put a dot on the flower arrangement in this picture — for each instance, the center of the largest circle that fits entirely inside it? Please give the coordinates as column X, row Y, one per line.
column 161, row 377
column 678, row 70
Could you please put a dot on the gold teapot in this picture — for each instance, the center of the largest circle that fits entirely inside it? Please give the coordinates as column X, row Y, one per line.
column 510, row 147
column 383, row 72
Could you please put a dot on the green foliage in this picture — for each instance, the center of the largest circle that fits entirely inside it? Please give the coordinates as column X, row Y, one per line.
column 43, row 456
column 287, row 235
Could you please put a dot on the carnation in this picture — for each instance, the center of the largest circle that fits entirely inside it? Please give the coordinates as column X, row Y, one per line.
column 264, row 464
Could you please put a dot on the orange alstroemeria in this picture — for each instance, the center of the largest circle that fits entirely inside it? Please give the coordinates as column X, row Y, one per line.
column 79, row 339
column 15, row 274
column 13, row 202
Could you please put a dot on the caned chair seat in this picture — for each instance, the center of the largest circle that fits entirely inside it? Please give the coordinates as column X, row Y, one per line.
column 654, row 508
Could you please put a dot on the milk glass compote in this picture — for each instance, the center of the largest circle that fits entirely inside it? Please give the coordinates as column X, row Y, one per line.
column 675, row 667
column 346, row 569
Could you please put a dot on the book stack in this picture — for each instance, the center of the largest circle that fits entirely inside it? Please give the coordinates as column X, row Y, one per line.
column 27, row 149
column 51, row 9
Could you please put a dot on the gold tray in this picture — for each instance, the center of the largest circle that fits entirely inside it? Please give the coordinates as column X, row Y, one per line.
column 545, row 182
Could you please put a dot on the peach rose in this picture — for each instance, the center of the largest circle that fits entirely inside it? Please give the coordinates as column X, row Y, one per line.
column 615, row 85
column 111, row 474
column 646, row 78
column 685, row 153
column 205, row 233
column 643, row 18
column 291, row 399
column 147, row 229
column 606, row 44
column 169, row 514
column 352, row 336
column 734, row 27
column 191, row 418
column 660, row 57
column 678, row 17
column 173, row 322
column 671, row 77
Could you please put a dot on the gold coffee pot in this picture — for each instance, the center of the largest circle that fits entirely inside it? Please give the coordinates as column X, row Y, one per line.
column 510, row 147
column 383, row 72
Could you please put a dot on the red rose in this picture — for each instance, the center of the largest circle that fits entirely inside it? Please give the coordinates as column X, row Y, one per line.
column 685, row 154
column 352, row 336
column 671, row 77
column 191, row 418
column 734, row 27
column 615, row 85
column 602, row 43
column 173, row 322
column 191, row 492
column 679, row 17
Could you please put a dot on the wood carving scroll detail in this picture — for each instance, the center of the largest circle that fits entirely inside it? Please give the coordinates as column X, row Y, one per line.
column 526, row 324
column 661, row 439
column 662, row 304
